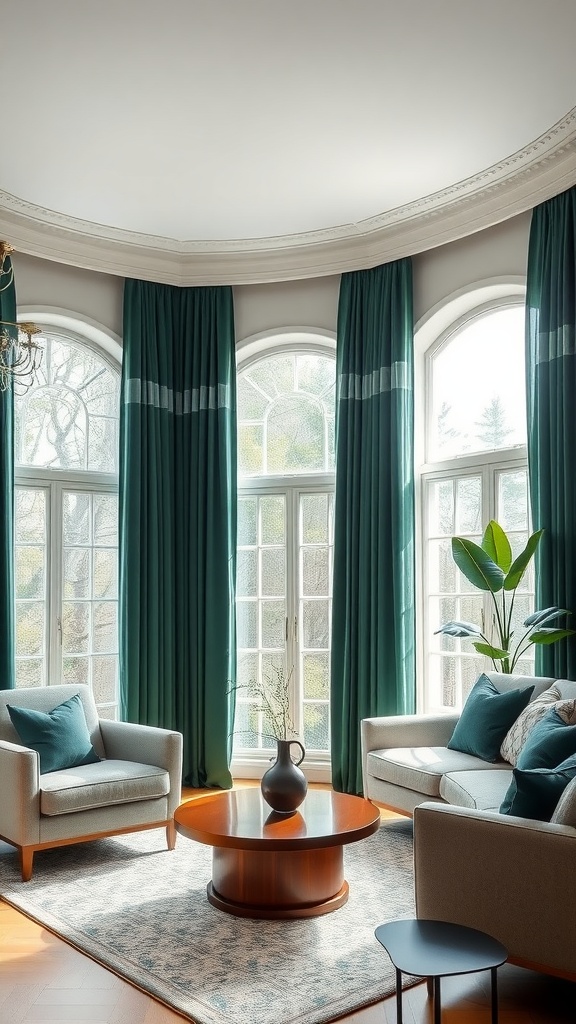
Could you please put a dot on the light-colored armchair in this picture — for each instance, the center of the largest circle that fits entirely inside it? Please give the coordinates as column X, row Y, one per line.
column 511, row 877
column 136, row 785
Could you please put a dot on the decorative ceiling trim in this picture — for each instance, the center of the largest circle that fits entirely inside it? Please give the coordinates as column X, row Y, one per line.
column 541, row 170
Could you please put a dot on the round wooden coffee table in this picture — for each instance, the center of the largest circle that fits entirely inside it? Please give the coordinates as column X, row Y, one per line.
column 273, row 865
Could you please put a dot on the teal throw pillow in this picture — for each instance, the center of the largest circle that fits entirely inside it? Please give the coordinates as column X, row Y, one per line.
column 60, row 736
column 486, row 718
column 549, row 742
column 535, row 792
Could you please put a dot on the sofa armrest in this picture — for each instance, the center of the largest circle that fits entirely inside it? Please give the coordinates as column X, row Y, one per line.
column 146, row 744
column 20, row 805
column 507, row 876
column 404, row 731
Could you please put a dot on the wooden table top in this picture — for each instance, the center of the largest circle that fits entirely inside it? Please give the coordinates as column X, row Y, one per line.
column 241, row 819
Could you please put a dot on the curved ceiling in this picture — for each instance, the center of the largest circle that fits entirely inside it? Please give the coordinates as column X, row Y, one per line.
column 212, row 141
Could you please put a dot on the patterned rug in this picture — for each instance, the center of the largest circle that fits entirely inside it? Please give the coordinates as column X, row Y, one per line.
column 142, row 911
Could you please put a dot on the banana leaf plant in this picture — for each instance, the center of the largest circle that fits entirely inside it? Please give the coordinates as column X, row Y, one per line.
column 490, row 567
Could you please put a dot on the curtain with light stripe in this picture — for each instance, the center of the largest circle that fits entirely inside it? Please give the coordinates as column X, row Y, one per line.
column 551, row 400
column 7, row 670
column 178, row 520
column 372, row 663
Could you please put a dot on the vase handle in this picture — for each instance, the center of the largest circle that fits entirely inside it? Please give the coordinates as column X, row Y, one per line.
column 298, row 744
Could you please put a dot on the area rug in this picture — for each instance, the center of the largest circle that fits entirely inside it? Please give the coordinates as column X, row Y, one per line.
column 142, row 911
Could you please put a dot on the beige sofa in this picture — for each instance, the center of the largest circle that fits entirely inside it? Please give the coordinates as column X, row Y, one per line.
column 506, row 875
column 405, row 760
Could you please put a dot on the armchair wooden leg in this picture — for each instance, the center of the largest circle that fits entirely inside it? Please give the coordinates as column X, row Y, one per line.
column 171, row 834
column 26, row 858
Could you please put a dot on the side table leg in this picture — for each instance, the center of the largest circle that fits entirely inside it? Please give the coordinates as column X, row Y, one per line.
column 494, row 973
column 398, row 996
column 437, row 1002
column 430, row 987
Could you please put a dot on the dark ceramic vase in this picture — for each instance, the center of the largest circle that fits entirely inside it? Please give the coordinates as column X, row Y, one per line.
column 284, row 785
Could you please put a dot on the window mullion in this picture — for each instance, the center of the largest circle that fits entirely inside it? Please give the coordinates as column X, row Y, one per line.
column 292, row 611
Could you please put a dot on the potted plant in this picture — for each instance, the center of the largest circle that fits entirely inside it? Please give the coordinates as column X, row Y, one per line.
column 491, row 568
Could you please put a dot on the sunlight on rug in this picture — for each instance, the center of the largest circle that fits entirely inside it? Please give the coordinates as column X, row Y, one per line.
column 142, row 911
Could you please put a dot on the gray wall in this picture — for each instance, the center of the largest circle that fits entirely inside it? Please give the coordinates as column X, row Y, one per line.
column 499, row 251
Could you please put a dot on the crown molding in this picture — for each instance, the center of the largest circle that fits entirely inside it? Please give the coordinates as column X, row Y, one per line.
column 534, row 174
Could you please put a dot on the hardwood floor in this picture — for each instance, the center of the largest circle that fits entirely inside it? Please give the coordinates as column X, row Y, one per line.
column 43, row 980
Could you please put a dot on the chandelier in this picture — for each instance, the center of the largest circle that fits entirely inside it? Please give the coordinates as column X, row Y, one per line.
column 20, row 356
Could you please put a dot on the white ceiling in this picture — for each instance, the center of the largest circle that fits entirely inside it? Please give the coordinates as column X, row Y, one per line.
column 198, row 141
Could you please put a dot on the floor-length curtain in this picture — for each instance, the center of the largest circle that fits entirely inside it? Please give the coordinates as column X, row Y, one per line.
column 7, row 677
column 551, row 399
column 372, row 664
column 178, row 520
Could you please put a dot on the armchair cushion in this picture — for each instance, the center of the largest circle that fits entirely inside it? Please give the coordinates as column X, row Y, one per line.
column 486, row 718
column 60, row 736
column 101, row 785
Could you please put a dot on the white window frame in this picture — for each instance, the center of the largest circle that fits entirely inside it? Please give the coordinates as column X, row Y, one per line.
column 86, row 333
column 431, row 332
column 252, row 763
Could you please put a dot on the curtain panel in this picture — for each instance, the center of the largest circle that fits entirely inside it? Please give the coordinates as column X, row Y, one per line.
column 373, row 634
column 178, row 520
column 7, row 638
column 551, row 407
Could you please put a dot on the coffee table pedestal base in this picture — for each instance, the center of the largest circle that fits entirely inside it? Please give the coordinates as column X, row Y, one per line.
column 277, row 883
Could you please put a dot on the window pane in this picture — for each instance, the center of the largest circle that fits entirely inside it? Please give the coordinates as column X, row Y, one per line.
column 478, row 389
column 286, row 415
column 513, row 501
column 30, row 582
column 295, row 436
column 68, row 420
column 247, row 573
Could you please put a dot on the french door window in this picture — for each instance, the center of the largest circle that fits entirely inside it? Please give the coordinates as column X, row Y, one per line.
column 66, row 522
column 285, row 544
column 475, row 470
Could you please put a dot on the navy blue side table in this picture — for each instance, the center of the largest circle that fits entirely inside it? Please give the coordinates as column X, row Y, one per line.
column 437, row 949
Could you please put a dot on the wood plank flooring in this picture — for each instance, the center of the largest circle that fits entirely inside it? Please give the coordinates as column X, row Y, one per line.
column 43, row 980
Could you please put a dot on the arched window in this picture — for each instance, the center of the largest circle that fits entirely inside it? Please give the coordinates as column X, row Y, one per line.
column 285, row 541
column 66, row 519
column 473, row 468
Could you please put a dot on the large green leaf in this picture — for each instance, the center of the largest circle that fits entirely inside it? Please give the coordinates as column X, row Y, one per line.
column 545, row 615
column 476, row 565
column 459, row 629
column 520, row 564
column 497, row 546
column 550, row 636
column 496, row 653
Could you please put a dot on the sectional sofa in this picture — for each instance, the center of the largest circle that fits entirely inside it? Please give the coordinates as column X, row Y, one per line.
column 509, row 875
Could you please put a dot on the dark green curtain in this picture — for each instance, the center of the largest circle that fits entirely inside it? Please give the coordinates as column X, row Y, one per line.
column 7, row 675
column 551, row 401
column 178, row 520
column 372, row 664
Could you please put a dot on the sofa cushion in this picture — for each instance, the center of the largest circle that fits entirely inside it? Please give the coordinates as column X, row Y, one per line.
column 517, row 735
column 482, row 790
column 60, row 736
column 99, row 785
column 549, row 743
column 535, row 792
column 486, row 718
column 421, row 768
